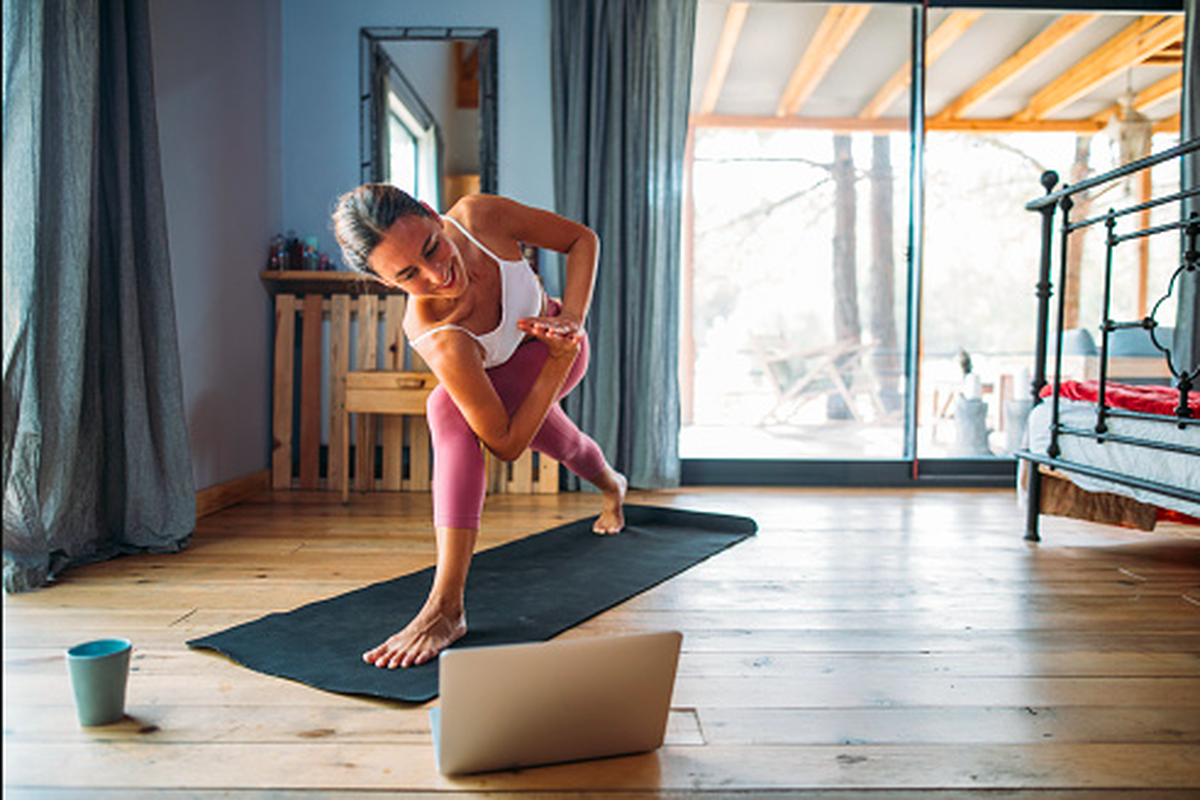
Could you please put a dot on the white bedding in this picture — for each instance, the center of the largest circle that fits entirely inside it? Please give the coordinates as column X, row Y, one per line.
column 1152, row 464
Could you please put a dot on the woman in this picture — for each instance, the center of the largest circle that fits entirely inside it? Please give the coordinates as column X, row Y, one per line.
column 504, row 354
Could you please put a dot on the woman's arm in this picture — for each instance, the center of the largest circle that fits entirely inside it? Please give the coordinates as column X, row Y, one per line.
column 503, row 220
column 455, row 358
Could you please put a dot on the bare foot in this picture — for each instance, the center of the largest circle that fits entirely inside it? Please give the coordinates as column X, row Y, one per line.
column 430, row 632
column 612, row 514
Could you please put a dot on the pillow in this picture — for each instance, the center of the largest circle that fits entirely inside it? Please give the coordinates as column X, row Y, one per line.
column 1136, row 342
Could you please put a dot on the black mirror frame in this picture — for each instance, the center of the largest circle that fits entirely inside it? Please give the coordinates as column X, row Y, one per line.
column 370, row 105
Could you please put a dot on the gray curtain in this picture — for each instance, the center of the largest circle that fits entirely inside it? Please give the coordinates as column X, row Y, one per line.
column 622, row 79
column 1187, row 330
column 95, row 459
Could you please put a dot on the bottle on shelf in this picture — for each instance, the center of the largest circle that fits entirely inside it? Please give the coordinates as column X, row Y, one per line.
column 277, row 254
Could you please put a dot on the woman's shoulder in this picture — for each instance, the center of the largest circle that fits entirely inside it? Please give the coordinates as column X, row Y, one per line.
column 488, row 219
column 421, row 317
column 479, row 211
column 424, row 332
column 479, row 202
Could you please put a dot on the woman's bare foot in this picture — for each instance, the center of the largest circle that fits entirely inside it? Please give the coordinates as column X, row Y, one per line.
column 612, row 514
column 430, row 632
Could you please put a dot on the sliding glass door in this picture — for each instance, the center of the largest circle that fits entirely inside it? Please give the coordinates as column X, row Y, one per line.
column 859, row 267
column 1020, row 93
column 795, row 307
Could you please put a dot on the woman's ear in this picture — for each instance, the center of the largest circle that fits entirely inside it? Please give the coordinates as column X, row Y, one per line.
column 432, row 213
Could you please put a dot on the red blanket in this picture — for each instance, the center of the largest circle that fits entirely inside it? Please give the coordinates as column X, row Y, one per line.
column 1146, row 399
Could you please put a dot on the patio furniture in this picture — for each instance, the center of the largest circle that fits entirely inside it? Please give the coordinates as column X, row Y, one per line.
column 801, row 376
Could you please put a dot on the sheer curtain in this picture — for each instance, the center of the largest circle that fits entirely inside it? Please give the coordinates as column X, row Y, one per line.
column 622, row 78
column 95, row 459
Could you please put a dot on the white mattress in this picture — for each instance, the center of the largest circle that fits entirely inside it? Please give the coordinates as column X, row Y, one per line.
column 1151, row 464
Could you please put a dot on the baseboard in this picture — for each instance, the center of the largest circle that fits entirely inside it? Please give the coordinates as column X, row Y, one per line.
column 230, row 493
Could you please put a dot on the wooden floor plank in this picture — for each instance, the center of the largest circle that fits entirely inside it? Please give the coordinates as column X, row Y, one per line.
column 380, row 723
column 937, row 724
column 323, row 765
column 174, row 660
column 901, row 644
column 148, row 691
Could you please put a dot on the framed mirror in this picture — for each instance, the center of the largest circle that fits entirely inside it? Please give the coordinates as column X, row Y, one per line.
column 427, row 111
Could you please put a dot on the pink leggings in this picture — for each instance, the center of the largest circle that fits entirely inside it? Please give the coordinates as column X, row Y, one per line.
column 459, row 479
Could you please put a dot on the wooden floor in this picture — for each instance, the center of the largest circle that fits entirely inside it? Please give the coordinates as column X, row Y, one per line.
column 865, row 643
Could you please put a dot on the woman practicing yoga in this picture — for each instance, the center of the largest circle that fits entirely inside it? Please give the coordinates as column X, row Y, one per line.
column 504, row 354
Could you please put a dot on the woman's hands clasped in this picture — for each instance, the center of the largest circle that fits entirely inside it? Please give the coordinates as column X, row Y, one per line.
column 560, row 333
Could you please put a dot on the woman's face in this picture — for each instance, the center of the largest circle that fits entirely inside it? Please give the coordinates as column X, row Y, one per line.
column 416, row 256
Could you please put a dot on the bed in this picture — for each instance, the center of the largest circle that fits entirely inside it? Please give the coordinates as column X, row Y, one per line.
column 1115, row 445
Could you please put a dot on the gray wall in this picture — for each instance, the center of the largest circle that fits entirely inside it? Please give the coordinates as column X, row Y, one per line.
column 258, row 122
column 320, row 97
column 217, row 80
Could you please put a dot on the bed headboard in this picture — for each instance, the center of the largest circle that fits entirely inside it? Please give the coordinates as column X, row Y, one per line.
column 1121, row 350
column 1123, row 226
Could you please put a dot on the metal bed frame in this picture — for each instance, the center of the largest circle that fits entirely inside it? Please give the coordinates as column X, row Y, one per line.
column 1060, row 202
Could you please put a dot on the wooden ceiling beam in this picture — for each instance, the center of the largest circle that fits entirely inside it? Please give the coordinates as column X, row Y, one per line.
column 937, row 43
column 1171, row 124
column 900, row 125
column 836, row 124
column 735, row 17
column 1054, row 35
column 1167, row 87
column 983, row 126
column 1164, row 59
column 837, row 28
column 1133, row 45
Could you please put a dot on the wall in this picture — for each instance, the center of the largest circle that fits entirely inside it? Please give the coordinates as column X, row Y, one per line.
column 258, row 124
column 217, row 83
column 320, row 114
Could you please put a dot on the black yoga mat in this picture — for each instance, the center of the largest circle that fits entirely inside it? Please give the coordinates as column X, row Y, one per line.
column 527, row 590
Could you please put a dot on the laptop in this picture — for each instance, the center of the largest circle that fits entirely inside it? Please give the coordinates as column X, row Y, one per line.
column 514, row 706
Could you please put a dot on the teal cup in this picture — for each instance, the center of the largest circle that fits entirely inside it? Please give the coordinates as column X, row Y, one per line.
column 99, row 673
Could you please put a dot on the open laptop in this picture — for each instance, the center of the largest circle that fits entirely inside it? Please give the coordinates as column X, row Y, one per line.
column 513, row 706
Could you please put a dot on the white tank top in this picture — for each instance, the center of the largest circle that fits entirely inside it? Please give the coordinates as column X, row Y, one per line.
column 521, row 296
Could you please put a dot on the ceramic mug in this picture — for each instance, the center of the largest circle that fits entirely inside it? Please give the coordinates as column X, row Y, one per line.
column 99, row 673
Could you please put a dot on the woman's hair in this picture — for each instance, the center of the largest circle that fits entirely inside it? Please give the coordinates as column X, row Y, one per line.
column 363, row 216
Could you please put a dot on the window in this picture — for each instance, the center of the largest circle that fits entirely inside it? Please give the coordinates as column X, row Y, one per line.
column 795, row 312
column 860, row 287
column 411, row 141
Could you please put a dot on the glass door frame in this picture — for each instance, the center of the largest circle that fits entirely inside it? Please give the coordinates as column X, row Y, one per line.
column 909, row 469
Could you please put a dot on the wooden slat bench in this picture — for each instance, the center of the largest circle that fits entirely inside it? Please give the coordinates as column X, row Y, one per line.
column 390, row 393
column 321, row 370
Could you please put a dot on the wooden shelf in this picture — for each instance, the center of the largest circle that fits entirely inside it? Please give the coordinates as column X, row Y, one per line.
column 324, row 283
